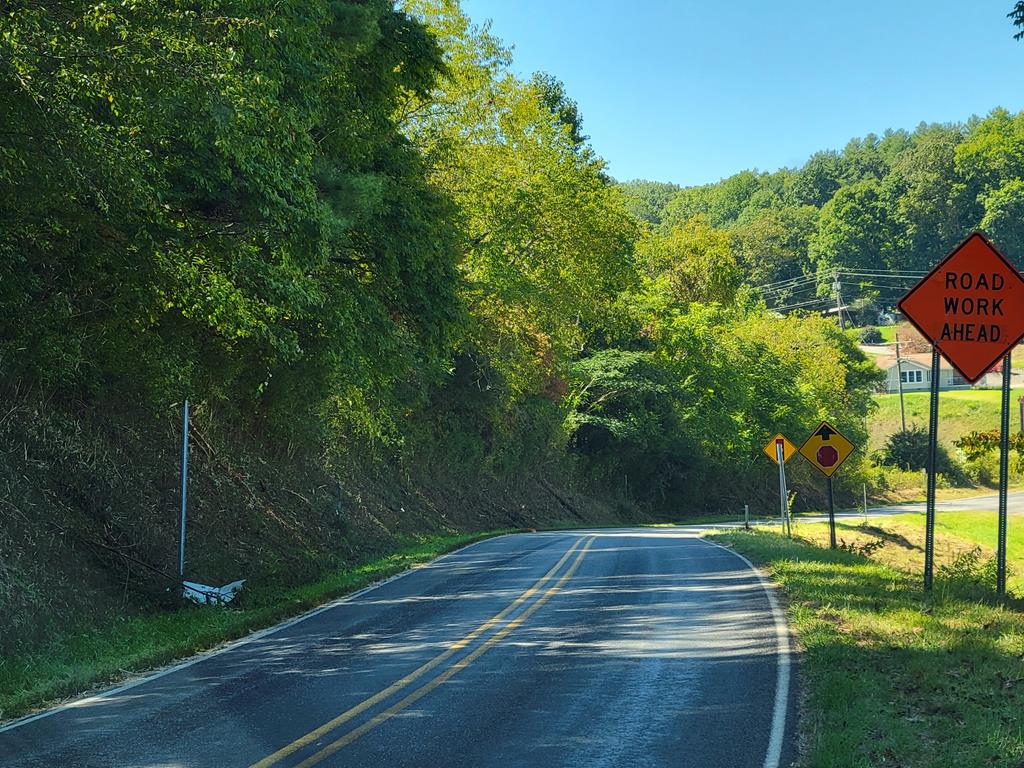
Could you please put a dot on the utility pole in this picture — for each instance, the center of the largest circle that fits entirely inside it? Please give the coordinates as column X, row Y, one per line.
column 899, row 380
column 839, row 300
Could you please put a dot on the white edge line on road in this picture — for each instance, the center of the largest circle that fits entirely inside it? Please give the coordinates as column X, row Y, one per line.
column 778, row 732
column 233, row 644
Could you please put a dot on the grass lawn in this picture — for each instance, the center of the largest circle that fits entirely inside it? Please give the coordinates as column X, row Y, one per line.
column 891, row 677
column 960, row 411
column 90, row 656
column 900, row 539
column 888, row 333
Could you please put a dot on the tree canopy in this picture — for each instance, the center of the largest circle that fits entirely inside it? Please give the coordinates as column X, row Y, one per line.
column 348, row 223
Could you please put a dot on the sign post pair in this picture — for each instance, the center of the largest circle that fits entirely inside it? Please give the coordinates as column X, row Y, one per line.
column 971, row 308
column 826, row 449
column 780, row 450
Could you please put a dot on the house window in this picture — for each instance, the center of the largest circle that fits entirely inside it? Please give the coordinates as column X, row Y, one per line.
column 956, row 381
column 903, row 376
column 918, row 376
column 911, row 377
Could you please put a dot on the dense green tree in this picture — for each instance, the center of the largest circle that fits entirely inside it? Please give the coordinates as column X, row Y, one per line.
column 1017, row 14
column 646, row 200
column 181, row 219
column 927, row 199
column 818, row 180
column 771, row 244
column 551, row 92
column 693, row 262
column 854, row 230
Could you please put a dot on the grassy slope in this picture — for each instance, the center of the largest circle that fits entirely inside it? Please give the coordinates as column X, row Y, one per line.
column 79, row 659
column 960, row 411
column 893, row 678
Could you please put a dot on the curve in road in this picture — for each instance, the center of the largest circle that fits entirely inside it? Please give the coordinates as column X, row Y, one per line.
column 631, row 647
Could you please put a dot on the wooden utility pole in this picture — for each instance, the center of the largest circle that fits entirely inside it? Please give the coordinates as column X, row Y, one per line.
column 899, row 381
column 839, row 301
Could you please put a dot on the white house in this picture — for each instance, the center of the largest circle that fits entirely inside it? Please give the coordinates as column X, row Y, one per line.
column 915, row 371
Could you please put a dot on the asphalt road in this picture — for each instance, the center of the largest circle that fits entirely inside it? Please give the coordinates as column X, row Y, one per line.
column 986, row 503
column 633, row 647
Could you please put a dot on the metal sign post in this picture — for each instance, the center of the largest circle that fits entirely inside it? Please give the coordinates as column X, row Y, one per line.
column 1004, row 458
column 184, row 488
column 831, row 515
column 969, row 308
column 780, row 457
column 780, row 450
column 933, row 436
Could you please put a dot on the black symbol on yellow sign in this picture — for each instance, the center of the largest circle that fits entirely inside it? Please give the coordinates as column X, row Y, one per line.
column 826, row 449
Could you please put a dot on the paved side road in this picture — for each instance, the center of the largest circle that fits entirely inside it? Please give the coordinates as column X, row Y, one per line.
column 986, row 503
column 631, row 647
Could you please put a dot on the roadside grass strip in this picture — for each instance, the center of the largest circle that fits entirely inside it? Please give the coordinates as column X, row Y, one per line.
column 85, row 657
column 964, row 541
column 892, row 677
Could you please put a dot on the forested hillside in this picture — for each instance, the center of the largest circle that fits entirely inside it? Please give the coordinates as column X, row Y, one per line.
column 870, row 218
column 400, row 290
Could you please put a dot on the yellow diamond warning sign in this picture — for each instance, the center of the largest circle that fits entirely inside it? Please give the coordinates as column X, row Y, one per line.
column 771, row 451
column 826, row 449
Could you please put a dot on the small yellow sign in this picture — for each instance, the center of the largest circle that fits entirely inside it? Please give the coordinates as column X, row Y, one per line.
column 826, row 449
column 788, row 449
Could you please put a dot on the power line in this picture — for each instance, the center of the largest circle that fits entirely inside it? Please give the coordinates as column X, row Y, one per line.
column 818, row 300
column 825, row 277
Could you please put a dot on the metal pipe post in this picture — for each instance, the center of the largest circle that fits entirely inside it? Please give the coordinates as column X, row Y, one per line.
column 780, row 457
column 184, row 488
column 831, row 516
column 933, row 427
column 1004, row 458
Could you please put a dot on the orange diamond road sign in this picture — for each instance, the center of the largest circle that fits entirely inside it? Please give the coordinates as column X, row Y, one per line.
column 970, row 306
column 788, row 449
column 826, row 449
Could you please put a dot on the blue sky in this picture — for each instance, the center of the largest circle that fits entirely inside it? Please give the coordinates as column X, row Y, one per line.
column 691, row 92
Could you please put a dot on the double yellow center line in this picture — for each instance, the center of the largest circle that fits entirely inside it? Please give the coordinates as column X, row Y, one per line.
column 423, row 690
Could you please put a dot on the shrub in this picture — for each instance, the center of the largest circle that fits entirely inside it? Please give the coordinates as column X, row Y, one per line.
column 908, row 450
column 871, row 335
column 970, row 573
